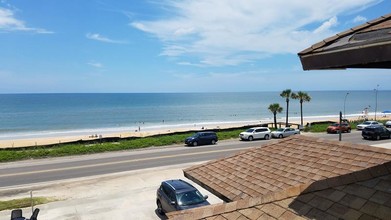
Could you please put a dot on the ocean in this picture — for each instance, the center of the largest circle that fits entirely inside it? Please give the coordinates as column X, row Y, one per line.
column 43, row 115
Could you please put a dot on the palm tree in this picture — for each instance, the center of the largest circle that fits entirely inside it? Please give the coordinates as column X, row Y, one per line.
column 302, row 97
column 275, row 108
column 287, row 93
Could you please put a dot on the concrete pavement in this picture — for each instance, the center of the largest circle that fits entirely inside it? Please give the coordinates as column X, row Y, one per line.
column 127, row 195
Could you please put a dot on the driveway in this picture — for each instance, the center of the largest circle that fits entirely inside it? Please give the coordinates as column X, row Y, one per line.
column 127, row 195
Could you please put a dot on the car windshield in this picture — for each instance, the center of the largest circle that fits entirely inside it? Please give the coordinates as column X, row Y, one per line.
column 190, row 198
column 336, row 125
column 196, row 135
column 366, row 123
column 280, row 129
column 250, row 130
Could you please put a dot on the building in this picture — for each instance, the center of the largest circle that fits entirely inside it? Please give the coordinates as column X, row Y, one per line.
column 298, row 177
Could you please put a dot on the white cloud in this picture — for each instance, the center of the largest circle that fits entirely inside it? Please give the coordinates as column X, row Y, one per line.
column 230, row 32
column 327, row 25
column 8, row 22
column 359, row 19
column 101, row 38
column 95, row 64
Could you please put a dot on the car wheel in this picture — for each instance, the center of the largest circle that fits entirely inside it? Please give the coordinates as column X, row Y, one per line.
column 159, row 208
column 213, row 142
column 349, row 130
column 250, row 138
column 267, row 137
column 195, row 143
column 378, row 137
column 280, row 136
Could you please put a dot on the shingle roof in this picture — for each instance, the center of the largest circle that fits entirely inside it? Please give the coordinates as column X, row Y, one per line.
column 376, row 24
column 364, row 46
column 278, row 166
column 297, row 177
column 367, row 199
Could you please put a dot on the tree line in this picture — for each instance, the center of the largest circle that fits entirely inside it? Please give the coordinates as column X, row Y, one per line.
column 288, row 94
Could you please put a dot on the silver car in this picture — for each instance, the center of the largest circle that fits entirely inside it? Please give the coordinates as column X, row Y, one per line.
column 255, row 133
column 366, row 124
column 285, row 132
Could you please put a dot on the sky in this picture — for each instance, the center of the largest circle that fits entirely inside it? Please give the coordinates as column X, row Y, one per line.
column 147, row 46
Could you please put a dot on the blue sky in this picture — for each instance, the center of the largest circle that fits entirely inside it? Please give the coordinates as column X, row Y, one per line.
column 176, row 46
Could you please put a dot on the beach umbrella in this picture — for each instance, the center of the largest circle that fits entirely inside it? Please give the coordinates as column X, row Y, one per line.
column 386, row 111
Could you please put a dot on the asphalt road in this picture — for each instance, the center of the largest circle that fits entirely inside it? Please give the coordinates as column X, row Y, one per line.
column 53, row 169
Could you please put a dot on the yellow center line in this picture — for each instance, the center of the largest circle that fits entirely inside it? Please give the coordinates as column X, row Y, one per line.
column 115, row 162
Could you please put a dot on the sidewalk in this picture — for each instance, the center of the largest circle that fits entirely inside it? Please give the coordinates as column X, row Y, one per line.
column 128, row 195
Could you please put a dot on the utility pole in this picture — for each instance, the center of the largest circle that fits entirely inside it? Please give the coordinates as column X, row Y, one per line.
column 344, row 103
column 340, row 124
column 377, row 88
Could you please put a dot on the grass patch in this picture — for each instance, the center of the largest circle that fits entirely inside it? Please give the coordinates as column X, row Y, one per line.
column 322, row 127
column 60, row 150
column 23, row 203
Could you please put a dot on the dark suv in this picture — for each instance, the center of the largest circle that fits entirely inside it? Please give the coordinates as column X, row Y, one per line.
column 375, row 132
column 204, row 137
column 174, row 195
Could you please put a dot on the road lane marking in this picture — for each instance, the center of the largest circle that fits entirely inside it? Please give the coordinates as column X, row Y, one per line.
column 117, row 162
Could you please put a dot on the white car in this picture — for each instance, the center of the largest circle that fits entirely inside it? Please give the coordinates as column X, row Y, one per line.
column 366, row 124
column 255, row 133
column 388, row 124
column 285, row 132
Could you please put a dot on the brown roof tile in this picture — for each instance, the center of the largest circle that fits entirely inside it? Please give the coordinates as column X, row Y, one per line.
column 352, row 201
column 348, row 192
column 343, row 202
column 301, row 159
column 273, row 210
column 379, row 23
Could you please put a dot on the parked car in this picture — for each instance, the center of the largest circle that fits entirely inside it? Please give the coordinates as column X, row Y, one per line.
column 255, row 133
column 173, row 195
column 204, row 137
column 285, row 132
column 388, row 124
column 375, row 132
column 334, row 128
column 366, row 124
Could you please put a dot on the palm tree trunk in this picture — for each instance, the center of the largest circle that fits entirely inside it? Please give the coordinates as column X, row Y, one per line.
column 287, row 110
column 301, row 112
column 275, row 119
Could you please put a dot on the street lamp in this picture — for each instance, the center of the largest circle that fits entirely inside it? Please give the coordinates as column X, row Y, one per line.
column 377, row 88
column 344, row 102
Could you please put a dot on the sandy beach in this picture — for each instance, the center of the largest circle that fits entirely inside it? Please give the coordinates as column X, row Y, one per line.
column 48, row 140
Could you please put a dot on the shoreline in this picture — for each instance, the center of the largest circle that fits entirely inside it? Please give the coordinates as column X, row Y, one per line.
column 96, row 134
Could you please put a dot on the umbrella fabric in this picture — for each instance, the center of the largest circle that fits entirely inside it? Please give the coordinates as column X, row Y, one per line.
column 386, row 111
